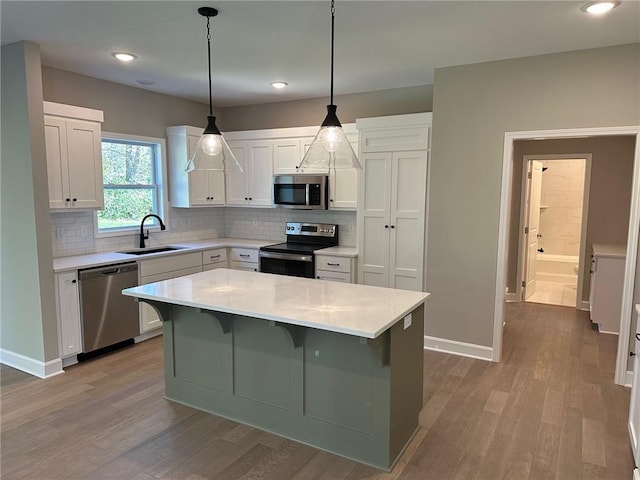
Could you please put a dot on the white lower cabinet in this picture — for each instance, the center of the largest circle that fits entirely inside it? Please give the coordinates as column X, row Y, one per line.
column 164, row 268
column 335, row 268
column 243, row 259
column 605, row 288
column 214, row 258
column 68, row 313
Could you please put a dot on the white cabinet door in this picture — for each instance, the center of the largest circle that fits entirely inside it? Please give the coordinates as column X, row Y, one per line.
column 286, row 156
column 343, row 189
column 74, row 163
column 198, row 188
column 68, row 310
column 373, row 219
column 259, row 173
column 252, row 187
column 407, row 217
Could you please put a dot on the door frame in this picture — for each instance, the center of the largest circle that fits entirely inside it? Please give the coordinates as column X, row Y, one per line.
column 583, row 227
column 621, row 375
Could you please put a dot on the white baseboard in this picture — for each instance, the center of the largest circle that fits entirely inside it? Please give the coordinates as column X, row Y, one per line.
column 636, row 474
column 584, row 305
column 458, row 348
column 628, row 378
column 511, row 297
column 31, row 365
column 147, row 335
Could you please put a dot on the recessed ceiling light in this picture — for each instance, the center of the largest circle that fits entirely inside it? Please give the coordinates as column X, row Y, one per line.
column 124, row 57
column 145, row 82
column 599, row 7
column 279, row 85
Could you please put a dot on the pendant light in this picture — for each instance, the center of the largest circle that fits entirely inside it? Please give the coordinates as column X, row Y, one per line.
column 330, row 148
column 212, row 151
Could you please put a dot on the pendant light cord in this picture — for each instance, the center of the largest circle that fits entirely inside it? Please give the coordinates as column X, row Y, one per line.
column 209, row 56
column 333, row 18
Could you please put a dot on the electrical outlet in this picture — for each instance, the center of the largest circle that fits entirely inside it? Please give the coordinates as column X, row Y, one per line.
column 407, row 321
column 59, row 233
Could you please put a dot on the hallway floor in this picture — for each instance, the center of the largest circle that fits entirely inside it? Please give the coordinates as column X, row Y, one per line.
column 549, row 410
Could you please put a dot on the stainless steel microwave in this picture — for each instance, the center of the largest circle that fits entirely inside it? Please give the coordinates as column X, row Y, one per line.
column 305, row 192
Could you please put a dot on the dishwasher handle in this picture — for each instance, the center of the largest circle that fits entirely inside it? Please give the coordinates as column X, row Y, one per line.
column 108, row 270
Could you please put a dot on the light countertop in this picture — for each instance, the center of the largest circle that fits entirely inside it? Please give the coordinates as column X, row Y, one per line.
column 108, row 258
column 113, row 258
column 612, row 251
column 352, row 309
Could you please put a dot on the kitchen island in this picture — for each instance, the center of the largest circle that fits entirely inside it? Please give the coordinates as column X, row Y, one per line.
column 336, row 366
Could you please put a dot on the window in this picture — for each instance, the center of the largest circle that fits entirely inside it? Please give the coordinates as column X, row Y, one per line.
column 132, row 173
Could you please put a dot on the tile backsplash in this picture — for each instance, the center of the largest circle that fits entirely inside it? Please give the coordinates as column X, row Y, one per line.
column 72, row 233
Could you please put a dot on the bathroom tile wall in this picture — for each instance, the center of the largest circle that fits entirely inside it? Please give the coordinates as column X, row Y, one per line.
column 72, row 233
column 561, row 206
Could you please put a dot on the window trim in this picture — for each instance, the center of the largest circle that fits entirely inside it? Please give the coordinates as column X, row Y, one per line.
column 161, row 185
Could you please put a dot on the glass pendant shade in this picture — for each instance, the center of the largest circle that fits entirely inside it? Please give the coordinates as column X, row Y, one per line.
column 212, row 152
column 330, row 148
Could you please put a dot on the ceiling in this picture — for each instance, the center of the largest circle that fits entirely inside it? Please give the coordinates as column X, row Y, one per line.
column 379, row 45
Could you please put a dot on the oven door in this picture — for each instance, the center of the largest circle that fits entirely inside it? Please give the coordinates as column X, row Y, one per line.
column 293, row 264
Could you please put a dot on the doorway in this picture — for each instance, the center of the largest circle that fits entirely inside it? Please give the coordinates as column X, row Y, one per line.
column 622, row 375
column 553, row 220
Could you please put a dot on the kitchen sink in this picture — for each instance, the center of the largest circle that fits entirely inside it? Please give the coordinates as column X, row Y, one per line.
column 145, row 251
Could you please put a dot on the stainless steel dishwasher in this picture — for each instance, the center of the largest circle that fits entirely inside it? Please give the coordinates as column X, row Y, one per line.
column 108, row 317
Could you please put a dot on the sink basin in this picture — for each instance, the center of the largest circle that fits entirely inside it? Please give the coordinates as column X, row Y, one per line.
column 145, row 251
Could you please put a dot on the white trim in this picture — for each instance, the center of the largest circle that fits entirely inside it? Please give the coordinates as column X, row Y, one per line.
column 162, row 183
column 31, row 365
column 628, row 378
column 147, row 335
column 584, row 305
column 632, row 243
column 636, row 474
column 72, row 111
column 629, row 270
column 458, row 348
column 512, row 297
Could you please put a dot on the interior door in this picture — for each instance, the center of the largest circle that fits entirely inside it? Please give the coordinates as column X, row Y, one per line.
column 532, row 229
column 634, row 409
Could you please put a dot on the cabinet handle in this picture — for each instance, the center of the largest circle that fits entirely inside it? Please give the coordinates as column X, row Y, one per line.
column 75, row 199
column 214, row 256
column 632, row 354
column 250, row 198
column 333, row 264
column 246, row 198
column 331, row 199
column 638, row 336
column 75, row 281
column 318, row 275
column 67, row 199
column 393, row 226
column 386, row 226
column 244, row 255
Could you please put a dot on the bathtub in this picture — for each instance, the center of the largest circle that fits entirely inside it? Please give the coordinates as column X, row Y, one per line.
column 556, row 268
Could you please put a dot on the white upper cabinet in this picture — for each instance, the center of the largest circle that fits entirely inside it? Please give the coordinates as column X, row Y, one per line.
column 74, row 156
column 199, row 188
column 392, row 202
column 252, row 187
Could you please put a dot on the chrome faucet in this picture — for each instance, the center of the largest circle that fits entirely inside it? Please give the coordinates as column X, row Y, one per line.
column 144, row 236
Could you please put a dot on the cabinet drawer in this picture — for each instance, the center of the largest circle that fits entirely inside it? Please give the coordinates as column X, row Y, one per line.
column 214, row 266
column 170, row 263
column 248, row 266
column 333, row 276
column 216, row 255
column 168, row 275
column 243, row 255
column 334, row 264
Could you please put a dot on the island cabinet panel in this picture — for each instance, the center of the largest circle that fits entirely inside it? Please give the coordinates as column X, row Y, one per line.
column 357, row 397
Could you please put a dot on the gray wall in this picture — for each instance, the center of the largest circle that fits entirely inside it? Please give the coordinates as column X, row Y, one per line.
column 130, row 110
column 28, row 309
column 312, row 111
column 474, row 105
column 609, row 197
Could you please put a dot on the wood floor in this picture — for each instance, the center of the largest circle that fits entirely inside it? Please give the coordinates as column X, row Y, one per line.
column 549, row 410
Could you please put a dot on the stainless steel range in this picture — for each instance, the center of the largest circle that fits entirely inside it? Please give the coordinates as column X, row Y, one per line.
column 295, row 257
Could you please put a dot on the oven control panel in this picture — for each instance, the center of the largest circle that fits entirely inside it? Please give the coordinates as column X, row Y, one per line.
column 311, row 229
